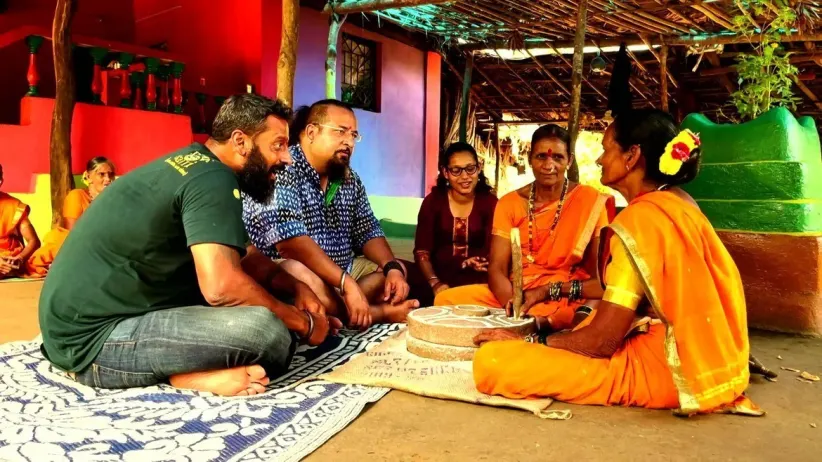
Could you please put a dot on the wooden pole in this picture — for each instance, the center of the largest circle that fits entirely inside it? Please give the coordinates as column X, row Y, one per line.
column 663, row 76
column 335, row 23
column 466, row 97
column 499, row 156
column 287, row 63
column 576, row 86
column 367, row 6
column 60, row 141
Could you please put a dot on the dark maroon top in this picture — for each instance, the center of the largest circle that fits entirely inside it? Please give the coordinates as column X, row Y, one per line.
column 448, row 241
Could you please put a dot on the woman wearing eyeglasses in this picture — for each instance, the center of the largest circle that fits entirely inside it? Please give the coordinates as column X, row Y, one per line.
column 454, row 225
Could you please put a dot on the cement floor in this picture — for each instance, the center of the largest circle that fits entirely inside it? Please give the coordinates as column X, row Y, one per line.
column 404, row 427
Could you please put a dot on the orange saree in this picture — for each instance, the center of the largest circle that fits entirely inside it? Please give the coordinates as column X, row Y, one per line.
column 12, row 213
column 557, row 258
column 76, row 203
column 694, row 361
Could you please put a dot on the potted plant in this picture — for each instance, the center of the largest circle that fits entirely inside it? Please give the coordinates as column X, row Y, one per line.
column 766, row 75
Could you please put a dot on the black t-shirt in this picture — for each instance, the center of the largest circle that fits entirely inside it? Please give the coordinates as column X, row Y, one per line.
column 129, row 253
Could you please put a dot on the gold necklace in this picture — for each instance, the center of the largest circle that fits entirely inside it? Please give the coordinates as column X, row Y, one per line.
column 532, row 221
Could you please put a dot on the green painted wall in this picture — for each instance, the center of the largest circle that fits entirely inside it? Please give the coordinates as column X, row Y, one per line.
column 397, row 215
column 760, row 176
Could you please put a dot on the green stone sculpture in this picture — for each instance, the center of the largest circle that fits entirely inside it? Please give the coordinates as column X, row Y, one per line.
column 761, row 176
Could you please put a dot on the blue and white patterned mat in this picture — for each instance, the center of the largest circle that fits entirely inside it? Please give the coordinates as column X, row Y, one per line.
column 44, row 416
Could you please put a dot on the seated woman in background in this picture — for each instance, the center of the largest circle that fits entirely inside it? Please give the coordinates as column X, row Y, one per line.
column 18, row 239
column 667, row 273
column 453, row 226
column 559, row 223
column 98, row 175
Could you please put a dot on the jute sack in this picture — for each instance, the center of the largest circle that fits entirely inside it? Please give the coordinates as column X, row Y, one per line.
column 390, row 365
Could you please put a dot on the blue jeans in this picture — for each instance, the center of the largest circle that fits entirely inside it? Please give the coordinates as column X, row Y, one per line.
column 148, row 349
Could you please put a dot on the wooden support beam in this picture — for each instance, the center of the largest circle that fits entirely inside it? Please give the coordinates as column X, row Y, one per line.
column 499, row 156
column 368, row 6
column 647, row 42
column 496, row 87
column 466, row 97
column 524, row 82
column 714, row 16
column 576, row 85
column 689, row 40
column 60, row 141
column 713, row 58
column 335, row 23
column 287, row 63
column 809, row 93
column 570, row 65
column 663, row 77
column 496, row 115
column 548, row 73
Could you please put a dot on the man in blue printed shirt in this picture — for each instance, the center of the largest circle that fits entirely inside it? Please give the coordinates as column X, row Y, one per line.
column 319, row 219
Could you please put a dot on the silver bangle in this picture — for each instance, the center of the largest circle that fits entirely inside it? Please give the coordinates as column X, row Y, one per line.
column 310, row 326
column 342, row 284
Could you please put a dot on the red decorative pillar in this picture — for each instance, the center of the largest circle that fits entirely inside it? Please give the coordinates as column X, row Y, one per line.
column 201, row 99
column 163, row 74
column 137, row 79
column 125, row 84
column 99, row 54
column 177, row 95
column 33, row 77
column 152, row 65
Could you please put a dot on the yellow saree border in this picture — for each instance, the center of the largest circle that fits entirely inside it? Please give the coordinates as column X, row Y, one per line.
column 588, row 230
column 688, row 402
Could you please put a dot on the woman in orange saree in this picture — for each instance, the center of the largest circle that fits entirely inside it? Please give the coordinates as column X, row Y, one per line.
column 559, row 222
column 18, row 240
column 98, row 175
column 671, row 329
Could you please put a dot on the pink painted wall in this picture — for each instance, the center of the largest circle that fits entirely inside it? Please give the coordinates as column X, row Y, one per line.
column 391, row 158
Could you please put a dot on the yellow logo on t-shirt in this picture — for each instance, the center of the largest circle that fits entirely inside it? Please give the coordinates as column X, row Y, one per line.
column 237, row 194
column 184, row 161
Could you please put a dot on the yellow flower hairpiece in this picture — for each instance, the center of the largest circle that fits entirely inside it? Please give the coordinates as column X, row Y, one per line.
column 678, row 151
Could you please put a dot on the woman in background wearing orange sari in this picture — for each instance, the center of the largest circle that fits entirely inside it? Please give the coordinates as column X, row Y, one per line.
column 98, row 175
column 559, row 224
column 671, row 330
column 18, row 239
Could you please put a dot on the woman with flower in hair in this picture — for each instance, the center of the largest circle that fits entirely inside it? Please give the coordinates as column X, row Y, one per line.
column 671, row 330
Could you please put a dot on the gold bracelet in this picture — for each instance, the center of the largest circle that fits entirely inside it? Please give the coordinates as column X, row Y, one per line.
column 342, row 284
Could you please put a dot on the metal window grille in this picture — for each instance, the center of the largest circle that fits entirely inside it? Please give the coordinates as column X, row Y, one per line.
column 359, row 87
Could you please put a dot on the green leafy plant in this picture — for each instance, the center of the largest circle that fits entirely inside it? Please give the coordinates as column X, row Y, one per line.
column 766, row 75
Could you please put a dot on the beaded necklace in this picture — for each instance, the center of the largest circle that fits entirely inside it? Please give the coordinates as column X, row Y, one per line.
column 532, row 222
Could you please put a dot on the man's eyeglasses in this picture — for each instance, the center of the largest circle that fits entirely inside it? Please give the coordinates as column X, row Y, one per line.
column 469, row 169
column 341, row 132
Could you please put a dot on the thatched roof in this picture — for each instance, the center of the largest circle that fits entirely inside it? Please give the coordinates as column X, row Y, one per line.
column 534, row 85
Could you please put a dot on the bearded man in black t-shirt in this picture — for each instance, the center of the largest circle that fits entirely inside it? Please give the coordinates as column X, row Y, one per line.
column 155, row 282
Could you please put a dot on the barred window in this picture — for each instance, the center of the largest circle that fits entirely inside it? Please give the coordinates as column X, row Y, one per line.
column 359, row 75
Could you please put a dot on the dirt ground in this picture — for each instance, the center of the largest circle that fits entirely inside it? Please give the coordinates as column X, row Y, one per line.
column 404, row 427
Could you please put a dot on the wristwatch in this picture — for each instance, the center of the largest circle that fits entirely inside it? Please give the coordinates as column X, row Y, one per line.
column 393, row 265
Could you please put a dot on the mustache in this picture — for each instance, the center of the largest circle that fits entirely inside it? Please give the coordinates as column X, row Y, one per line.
column 343, row 151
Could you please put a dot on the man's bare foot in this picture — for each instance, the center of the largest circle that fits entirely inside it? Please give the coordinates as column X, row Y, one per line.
column 387, row 313
column 237, row 381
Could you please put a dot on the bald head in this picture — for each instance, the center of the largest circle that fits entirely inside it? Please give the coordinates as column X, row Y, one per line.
column 318, row 112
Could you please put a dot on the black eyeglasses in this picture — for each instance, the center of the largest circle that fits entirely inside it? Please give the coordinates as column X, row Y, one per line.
column 469, row 169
